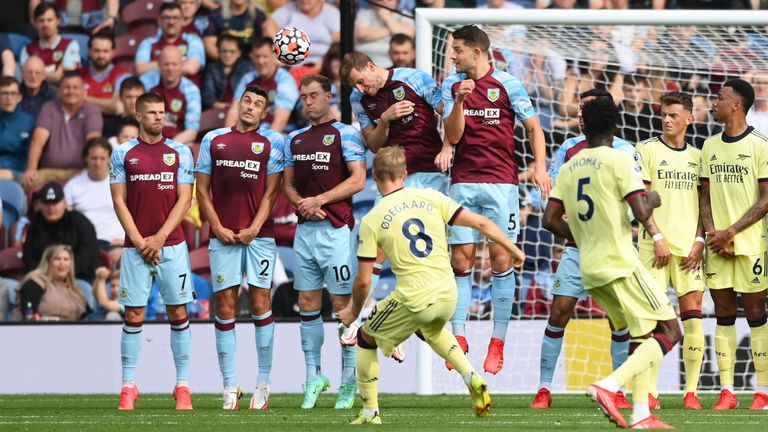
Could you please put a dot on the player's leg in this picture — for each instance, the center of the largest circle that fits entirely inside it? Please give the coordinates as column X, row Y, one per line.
column 227, row 272
column 135, row 285
column 720, row 278
column 689, row 288
column 348, row 387
column 259, row 267
column 755, row 311
column 368, row 372
column 174, row 279
column 662, row 277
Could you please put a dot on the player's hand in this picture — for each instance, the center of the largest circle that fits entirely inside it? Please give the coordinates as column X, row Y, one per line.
column 397, row 110
column 347, row 316
column 319, row 215
column 310, row 206
column 444, row 158
column 465, row 87
column 246, row 235
column 692, row 262
column 542, row 182
column 29, row 178
column 518, row 256
column 653, row 199
column 720, row 242
column 151, row 250
column 661, row 254
column 224, row 235
column 102, row 273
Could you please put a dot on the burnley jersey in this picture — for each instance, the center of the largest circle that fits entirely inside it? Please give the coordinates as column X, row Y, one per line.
column 151, row 174
column 319, row 155
column 417, row 132
column 105, row 84
column 239, row 163
column 485, row 152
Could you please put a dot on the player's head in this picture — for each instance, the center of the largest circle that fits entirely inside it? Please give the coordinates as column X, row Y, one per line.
column 470, row 48
column 262, row 57
column 170, row 63
column 101, row 49
column 589, row 95
column 734, row 99
column 170, row 19
column 316, row 96
column 360, row 72
column 676, row 113
column 252, row 107
column 389, row 165
column 150, row 113
column 600, row 117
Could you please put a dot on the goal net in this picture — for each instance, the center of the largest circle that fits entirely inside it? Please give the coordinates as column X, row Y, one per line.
column 637, row 56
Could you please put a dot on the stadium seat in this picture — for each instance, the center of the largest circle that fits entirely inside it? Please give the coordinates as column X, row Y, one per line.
column 286, row 256
column 125, row 48
column 11, row 265
column 144, row 31
column 82, row 41
column 212, row 118
column 140, row 12
column 200, row 263
column 360, row 209
column 14, row 206
column 18, row 42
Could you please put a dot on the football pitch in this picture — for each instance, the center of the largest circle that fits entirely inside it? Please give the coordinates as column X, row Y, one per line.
column 155, row 412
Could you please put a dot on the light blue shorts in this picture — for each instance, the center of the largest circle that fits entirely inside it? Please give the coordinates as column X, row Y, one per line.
column 424, row 180
column 229, row 262
column 568, row 276
column 323, row 254
column 173, row 275
column 498, row 202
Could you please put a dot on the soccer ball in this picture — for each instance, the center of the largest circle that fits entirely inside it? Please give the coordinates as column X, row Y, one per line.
column 291, row 46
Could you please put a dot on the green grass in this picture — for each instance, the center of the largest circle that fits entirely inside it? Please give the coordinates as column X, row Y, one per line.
column 154, row 412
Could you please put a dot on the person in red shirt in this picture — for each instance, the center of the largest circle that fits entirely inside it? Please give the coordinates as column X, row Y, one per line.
column 102, row 78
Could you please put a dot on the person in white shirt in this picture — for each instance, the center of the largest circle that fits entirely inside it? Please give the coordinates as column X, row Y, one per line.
column 88, row 193
column 757, row 116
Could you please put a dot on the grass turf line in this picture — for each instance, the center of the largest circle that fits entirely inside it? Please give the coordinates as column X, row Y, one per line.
column 155, row 412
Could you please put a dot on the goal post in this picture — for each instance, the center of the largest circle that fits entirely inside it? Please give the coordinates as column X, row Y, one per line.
column 637, row 55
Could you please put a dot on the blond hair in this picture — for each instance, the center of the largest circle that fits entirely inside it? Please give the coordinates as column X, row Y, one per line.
column 44, row 268
column 389, row 163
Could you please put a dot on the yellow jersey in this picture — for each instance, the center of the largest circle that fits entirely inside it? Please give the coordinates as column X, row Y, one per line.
column 409, row 226
column 674, row 175
column 593, row 187
column 734, row 167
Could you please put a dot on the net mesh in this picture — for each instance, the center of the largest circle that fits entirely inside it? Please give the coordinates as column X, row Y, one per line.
column 637, row 64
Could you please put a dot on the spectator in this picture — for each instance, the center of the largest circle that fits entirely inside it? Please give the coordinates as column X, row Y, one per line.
column 376, row 25
column 189, row 44
column 182, row 97
column 130, row 90
column 88, row 193
column 106, row 288
column 330, row 70
column 240, row 19
column 129, row 130
column 7, row 60
column 102, row 78
column 638, row 121
column 88, row 16
column 758, row 114
column 58, row 54
column 35, row 90
column 277, row 82
column 402, row 51
column 222, row 76
column 192, row 21
column 16, row 128
column 319, row 20
column 54, row 224
column 49, row 292
column 62, row 129
column 703, row 126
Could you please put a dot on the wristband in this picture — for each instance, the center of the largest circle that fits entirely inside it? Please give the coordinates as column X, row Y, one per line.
column 701, row 240
column 657, row 237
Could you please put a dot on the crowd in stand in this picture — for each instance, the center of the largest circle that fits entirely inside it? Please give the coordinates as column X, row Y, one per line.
column 72, row 70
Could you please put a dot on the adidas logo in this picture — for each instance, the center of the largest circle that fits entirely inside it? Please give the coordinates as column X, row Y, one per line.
column 713, row 158
column 663, row 163
column 698, row 277
column 756, row 280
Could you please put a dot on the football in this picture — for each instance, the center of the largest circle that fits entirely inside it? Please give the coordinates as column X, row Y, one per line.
column 291, row 46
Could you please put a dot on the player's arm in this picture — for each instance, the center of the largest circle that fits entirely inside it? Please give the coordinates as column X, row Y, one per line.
column 360, row 289
column 266, row 205
column 293, row 195
column 722, row 239
column 120, row 204
column 693, row 260
column 352, row 185
column 540, row 177
column 156, row 241
column 466, row 218
column 376, row 136
column 553, row 219
column 454, row 121
column 642, row 204
column 204, row 198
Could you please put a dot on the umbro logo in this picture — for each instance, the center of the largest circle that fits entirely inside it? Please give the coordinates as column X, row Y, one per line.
column 756, row 280
column 297, row 141
column 221, row 146
column 371, row 106
column 663, row 163
column 133, row 161
column 713, row 158
column 742, row 156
